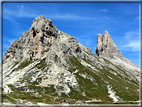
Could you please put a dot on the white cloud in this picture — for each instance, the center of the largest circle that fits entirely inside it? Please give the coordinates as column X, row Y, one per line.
column 12, row 40
column 19, row 13
column 24, row 12
column 21, row 9
column 104, row 10
column 131, row 35
column 135, row 45
column 137, row 18
column 86, row 41
column 132, row 41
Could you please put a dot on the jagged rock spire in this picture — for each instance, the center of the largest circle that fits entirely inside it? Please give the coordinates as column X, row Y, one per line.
column 106, row 46
column 34, row 42
column 38, row 40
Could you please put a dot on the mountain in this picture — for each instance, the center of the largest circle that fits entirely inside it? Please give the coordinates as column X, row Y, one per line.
column 53, row 64
column 107, row 48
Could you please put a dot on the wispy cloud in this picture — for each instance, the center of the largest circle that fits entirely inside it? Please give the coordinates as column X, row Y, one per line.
column 137, row 18
column 74, row 17
column 103, row 10
column 22, row 12
column 134, row 45
column 131, row 35
column 103, row 25
column 86, row 41
column 132, row 41
column 21, row 8
column 12, row 40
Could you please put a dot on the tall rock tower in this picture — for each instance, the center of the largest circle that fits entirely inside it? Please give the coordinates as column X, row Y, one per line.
column 106, row 47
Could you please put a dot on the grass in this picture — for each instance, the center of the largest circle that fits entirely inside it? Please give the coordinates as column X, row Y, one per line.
column 91, row 90
column 56, row 58
column 28, row 76
column 120, row 86
column 8, row 99
column 15, row 63
column 23, row 64
column 42, row 64
column 97, row 89
column 47, row 97
column 19, row 94
column 77, row 95
column 107, row 102
column 101, row 91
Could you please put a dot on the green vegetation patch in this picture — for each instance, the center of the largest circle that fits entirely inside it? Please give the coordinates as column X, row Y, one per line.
column 100, row 91
column 42, row 64
column 56, row 58
column 86, row 85
column 93, row 102
column 30, row 96
column 6, row 98
column 15, row 63
column 77, row 95
column 119, row 85
column 23, row 64
column 29, row 76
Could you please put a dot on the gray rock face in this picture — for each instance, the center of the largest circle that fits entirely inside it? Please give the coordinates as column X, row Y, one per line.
column 74, row 44
column 38, row 40
column 106, row 46
column 34, row 42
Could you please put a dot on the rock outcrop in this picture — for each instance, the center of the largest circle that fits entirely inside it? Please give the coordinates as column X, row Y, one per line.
column 34, row 42
column 107, row 48
column 37, row 41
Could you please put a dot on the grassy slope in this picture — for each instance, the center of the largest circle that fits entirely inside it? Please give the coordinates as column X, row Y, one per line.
column 100, row 92
column 85, row 85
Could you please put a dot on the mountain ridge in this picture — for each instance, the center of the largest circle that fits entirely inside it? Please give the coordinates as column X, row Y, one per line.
column 51, row 62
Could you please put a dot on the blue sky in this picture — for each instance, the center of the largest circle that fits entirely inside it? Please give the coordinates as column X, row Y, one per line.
column 82, row 20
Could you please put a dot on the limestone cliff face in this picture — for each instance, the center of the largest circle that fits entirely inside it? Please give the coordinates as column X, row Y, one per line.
column 33, row 42
column 36, row 42
column 107, row 48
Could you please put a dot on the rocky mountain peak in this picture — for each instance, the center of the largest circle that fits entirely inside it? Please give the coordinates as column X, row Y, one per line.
column 41, row 18
column 34, row 42
column 41, row 23
column 106, row 33
column 39, row 39
column 106, row 46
